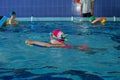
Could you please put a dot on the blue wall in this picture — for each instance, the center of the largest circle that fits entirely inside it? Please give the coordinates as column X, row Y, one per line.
column 55, row 8
column 108, row 8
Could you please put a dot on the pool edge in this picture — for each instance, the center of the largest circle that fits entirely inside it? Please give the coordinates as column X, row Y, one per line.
column 62, row 19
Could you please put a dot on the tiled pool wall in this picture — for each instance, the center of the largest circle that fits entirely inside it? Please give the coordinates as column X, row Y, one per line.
column 62, row 19
column 56, row 8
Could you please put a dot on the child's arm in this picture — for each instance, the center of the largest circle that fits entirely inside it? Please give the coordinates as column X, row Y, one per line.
column 13, row 22
column 99, row 20
column 81, row 7
column 29, row 42
column 92, row 8
column 96, row 20
column 38, row 43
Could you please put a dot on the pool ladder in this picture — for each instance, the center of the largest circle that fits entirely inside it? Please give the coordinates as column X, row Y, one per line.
column 114, row 18
column 31, row 19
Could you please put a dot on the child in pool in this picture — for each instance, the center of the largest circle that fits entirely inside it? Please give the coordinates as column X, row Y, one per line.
column 4, row 21
column 12, row 20
column 94, row 20
column 57, row 40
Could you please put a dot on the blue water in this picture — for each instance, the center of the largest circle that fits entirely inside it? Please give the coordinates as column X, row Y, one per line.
column 21, row 62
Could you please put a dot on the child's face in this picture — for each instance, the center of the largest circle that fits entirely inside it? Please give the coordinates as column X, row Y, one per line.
column 13, row 16
column 60, row 34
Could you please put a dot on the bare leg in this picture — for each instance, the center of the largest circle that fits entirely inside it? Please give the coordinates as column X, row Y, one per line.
column 95, row 50
column 89, row 50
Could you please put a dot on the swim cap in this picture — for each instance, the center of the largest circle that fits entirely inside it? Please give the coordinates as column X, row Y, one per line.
column 92, row 18
column 12, row 13
column 58, row 35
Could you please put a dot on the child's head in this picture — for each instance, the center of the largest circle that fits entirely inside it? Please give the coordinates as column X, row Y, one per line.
column 58, row 35
column 13, row 14
column 92, row 18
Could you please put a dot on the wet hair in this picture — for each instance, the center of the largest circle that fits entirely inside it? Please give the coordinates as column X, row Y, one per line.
column 12, row 13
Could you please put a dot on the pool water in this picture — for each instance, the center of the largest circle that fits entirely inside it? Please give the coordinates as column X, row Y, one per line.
column 19, row 61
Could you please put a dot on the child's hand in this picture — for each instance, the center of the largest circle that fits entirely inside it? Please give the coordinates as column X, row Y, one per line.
column 16, row 22
column 29, row 42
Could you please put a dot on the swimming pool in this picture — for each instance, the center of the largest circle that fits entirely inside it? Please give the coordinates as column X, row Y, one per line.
column 19, row 61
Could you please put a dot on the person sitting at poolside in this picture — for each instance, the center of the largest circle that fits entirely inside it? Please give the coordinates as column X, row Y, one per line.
column 94, row 20
column 57, row 38
column 4, row 20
